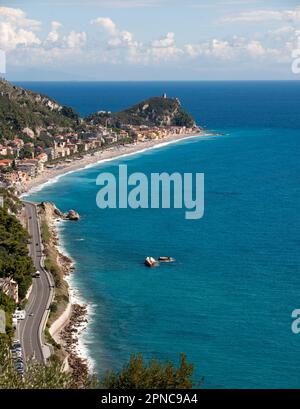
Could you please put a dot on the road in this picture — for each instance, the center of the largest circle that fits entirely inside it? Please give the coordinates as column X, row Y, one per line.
column 31, row 329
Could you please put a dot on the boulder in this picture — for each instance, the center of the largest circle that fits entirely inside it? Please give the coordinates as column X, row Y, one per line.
column 72, row 215
column 166, row 259
column 150, row 262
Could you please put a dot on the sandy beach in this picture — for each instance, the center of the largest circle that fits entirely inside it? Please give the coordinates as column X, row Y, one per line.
column 108, row 154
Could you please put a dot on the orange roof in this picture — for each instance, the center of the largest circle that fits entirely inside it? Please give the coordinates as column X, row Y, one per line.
column 5, row 162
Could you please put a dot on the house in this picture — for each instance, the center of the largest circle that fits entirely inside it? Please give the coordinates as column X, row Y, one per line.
column 50, row 153
column 110, row 139
column 5, row 163
column 3, row 150
column 73, row 148
column 18, row 143
column 10, row 288
column 42, row 157
column 29, row 167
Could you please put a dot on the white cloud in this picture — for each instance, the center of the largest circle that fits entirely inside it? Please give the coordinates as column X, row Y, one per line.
column 16, row 29
column 18, row 17
column 255, row 49
column 264, row 15
column 114, row 45
column 75, row 39
column 107, row 24
column 167, row 41
column 235, row 49
column 53, row 35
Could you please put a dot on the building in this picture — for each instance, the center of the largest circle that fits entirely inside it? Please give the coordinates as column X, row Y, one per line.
column 50, row 153
column 10, row 288
column 29, row 167
column 42, row 157
column 3, row 150
column 5, row 163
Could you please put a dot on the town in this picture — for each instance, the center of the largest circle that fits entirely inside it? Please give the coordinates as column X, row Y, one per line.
column 21, row 160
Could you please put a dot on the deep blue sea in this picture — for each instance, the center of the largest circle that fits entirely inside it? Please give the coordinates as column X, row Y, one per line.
column 228, row 299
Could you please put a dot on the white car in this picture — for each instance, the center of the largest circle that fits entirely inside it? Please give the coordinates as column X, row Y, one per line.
column 19, row 315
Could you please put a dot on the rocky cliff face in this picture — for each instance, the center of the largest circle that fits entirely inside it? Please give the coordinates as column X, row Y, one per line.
column 157, row 111
column 25, row 112
column 52, row 212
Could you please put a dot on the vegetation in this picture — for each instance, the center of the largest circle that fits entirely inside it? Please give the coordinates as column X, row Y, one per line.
column 11, row 202
column 8, row 305
column 20, row 109
column 36, row 118
column 155, row 111
column 14, row 259
column 135, row 375
column 37, row 376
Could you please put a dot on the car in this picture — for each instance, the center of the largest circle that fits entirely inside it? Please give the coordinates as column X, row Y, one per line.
column 17, row 350
column 20, row 368
column 16, row 341
column 31, row 314
column 17, row 346
column 20, row 371
column 18, row 354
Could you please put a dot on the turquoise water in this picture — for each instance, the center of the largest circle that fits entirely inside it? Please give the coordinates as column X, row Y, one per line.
column 228, row 299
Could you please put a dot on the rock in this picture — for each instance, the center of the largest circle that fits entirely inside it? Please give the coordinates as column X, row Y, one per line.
column 72, row 215
column 165, row 259
column 150, row 262
column 29, row 132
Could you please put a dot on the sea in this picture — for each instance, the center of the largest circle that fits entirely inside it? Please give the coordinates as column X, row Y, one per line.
column 227, row 301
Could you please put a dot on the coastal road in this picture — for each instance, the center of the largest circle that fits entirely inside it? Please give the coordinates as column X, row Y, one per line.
column 37, row 308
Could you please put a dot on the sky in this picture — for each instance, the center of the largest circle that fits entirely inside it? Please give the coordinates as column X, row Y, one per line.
column 127, row 40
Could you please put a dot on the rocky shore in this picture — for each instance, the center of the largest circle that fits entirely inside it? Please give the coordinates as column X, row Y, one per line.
column 70, row 335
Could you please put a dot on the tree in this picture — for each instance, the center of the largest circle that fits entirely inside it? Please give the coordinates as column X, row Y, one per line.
column 136, row 374
column 14, row 259
column 37, row 376
column 139, row 375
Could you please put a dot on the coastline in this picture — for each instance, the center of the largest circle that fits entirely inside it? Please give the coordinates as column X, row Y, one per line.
column 69, row 327
column 109, row 154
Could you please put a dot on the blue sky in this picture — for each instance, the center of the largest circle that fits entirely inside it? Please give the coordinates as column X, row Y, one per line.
column 149, row 39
